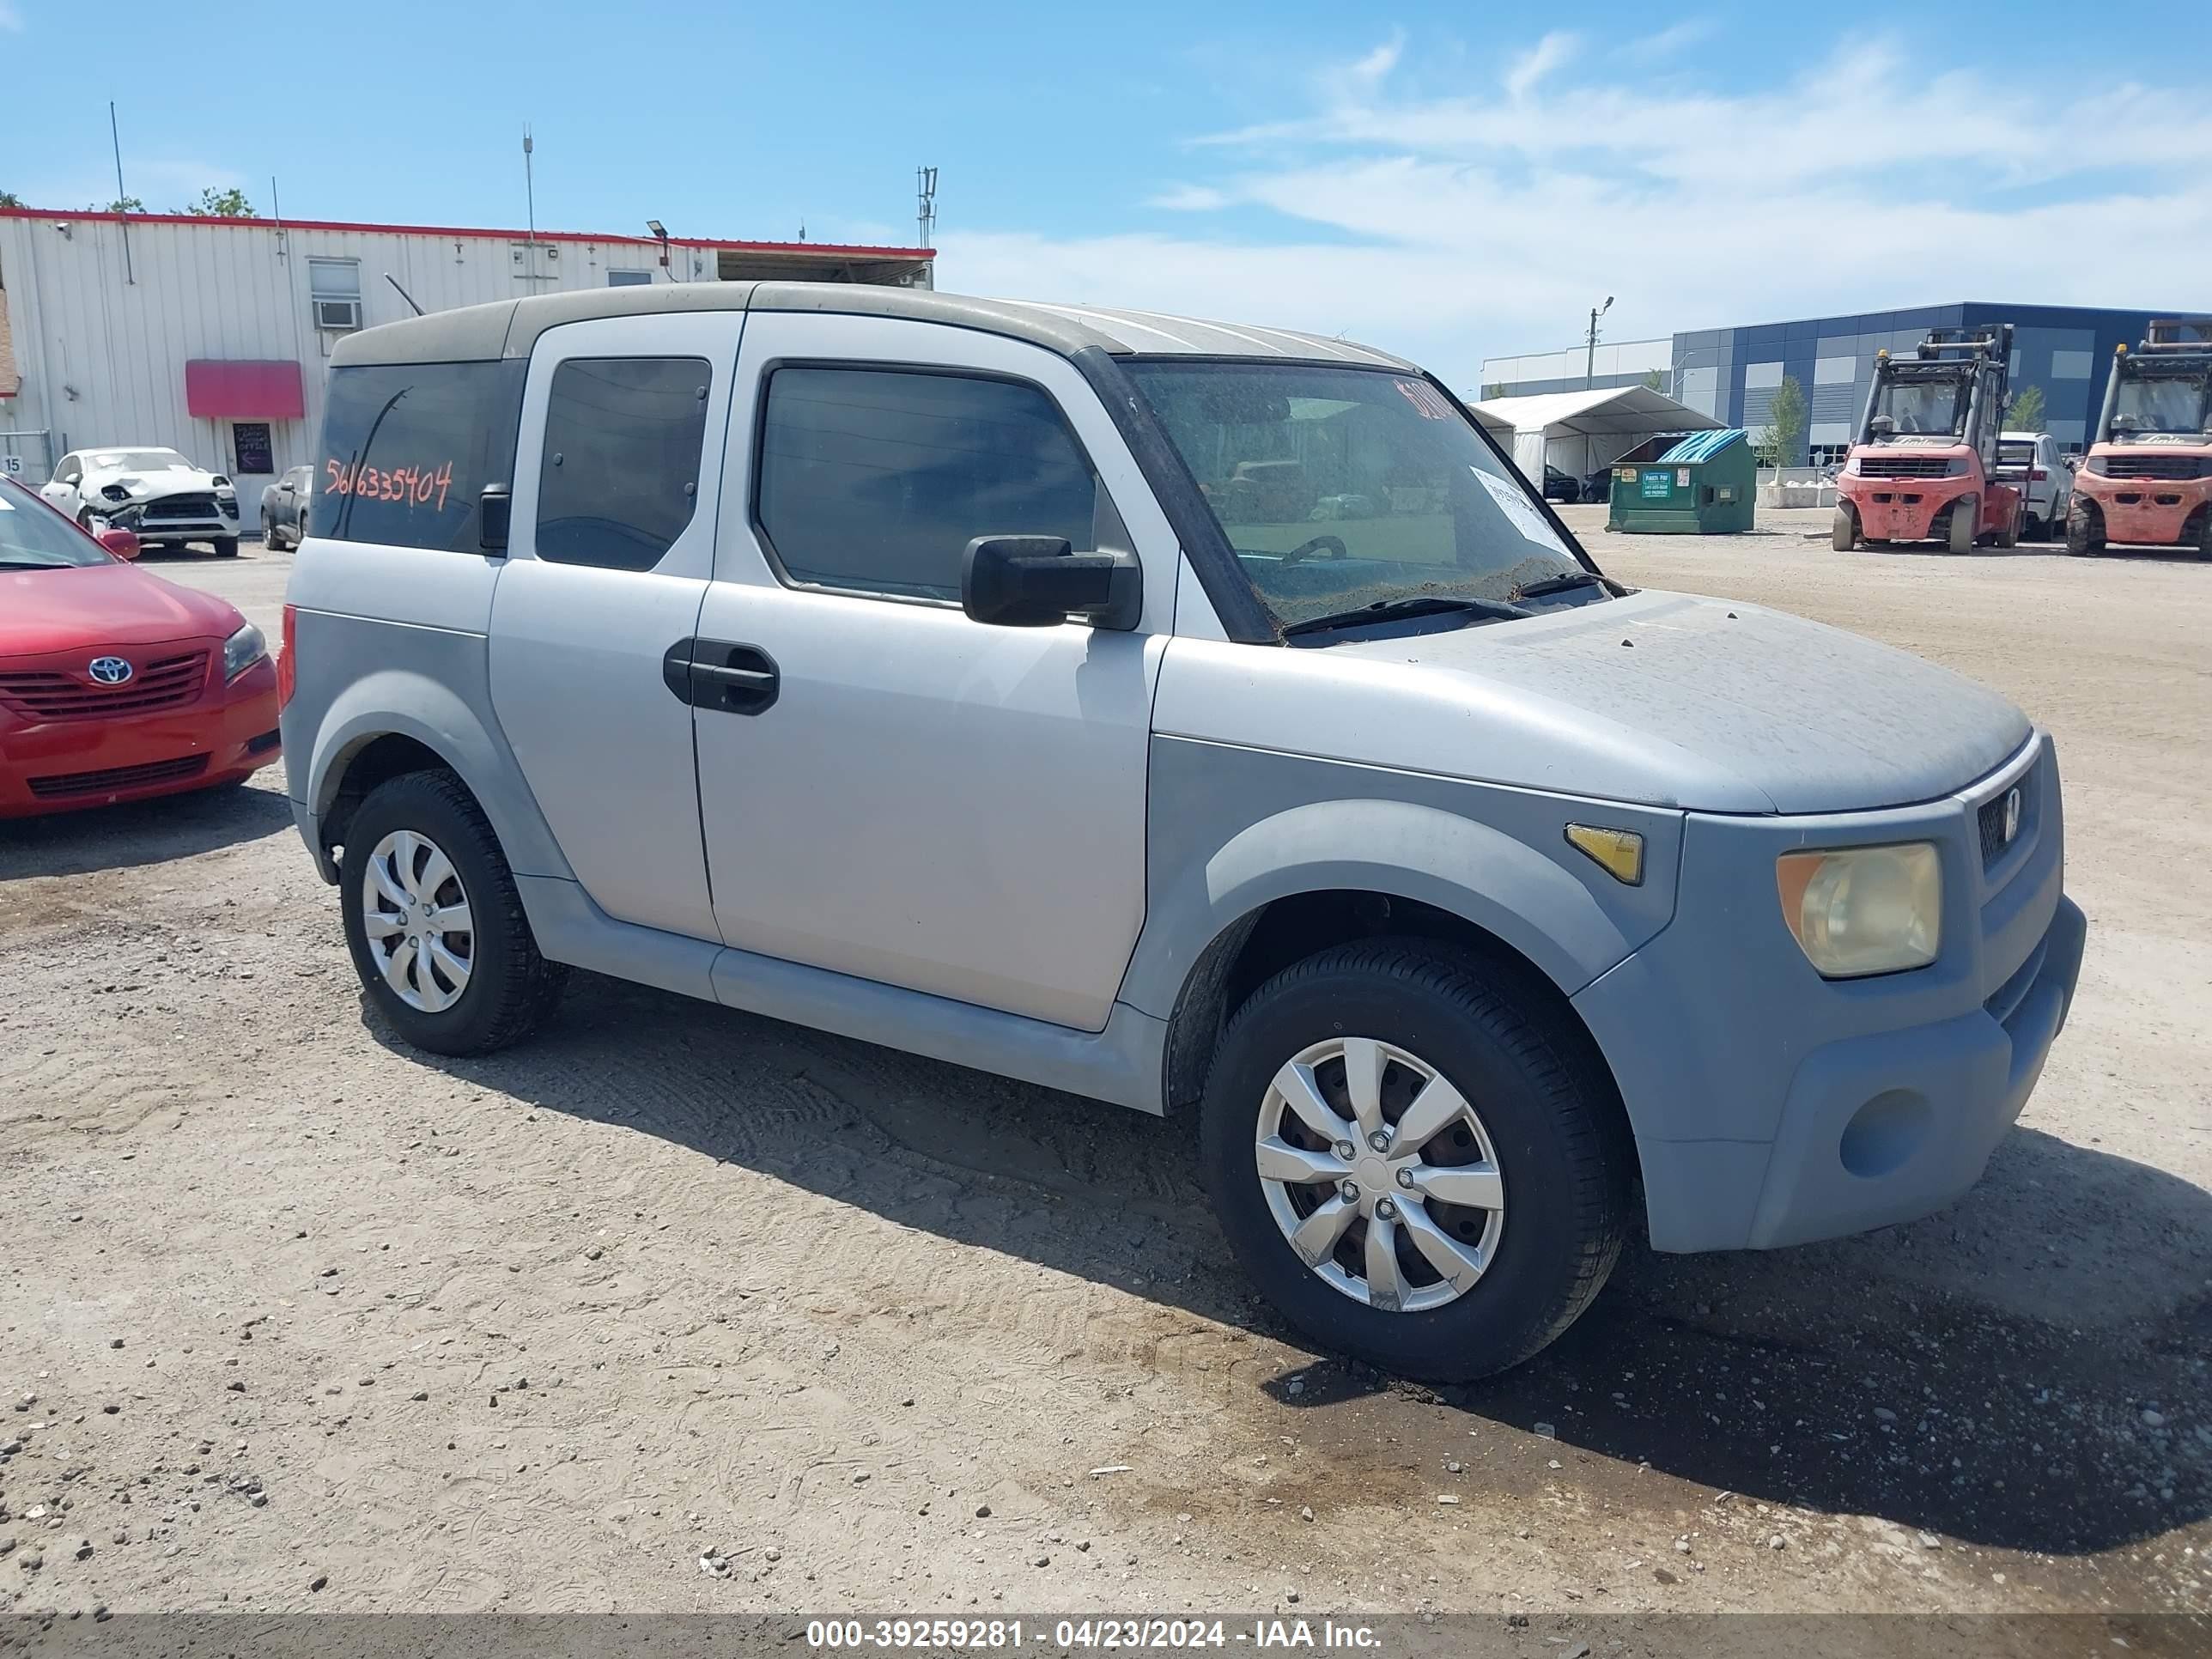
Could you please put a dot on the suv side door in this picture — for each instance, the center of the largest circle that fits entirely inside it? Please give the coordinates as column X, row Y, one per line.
column 616, row 478
column 916, row 797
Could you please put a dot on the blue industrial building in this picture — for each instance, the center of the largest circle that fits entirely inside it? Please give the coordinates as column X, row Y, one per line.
column 1733, row 373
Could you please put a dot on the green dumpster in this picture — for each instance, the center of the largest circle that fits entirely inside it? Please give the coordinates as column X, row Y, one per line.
column 1699, row 486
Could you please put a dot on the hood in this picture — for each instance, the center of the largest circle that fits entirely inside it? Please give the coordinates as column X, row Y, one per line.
column 149, row 484
column 99, row 604
column 1708, row 704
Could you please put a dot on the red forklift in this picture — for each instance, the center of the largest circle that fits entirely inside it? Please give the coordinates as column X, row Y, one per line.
column 2147, row 477
column 1924, row 464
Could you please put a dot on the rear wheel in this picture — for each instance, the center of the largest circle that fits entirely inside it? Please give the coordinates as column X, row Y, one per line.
column 1843, row 532
column 1409, row 1163
column 268, row 530
column 2085, row 529
column 435, row 923
column 1965, row 519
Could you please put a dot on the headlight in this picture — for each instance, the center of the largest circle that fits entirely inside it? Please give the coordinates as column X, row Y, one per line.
column 242, row 650
column 2098, row 465
column 1851, row 466
column 1864, row 909
column 1958, row 466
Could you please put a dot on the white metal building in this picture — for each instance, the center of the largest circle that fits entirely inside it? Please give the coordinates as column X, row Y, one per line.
column 209, row 336
column 1578, row 431
column 1578, row 369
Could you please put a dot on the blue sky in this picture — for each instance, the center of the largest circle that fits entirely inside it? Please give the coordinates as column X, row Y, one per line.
column 1449, row 180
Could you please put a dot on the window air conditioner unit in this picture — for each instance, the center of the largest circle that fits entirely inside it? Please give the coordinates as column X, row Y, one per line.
column 338, row 313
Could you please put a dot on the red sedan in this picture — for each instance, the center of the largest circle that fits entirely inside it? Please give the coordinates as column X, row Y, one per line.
column 114, row 684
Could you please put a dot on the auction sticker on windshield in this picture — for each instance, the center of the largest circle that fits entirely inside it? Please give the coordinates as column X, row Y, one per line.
column 1516, row 506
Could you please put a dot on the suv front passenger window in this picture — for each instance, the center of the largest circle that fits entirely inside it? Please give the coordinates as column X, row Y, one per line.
column 877, row 479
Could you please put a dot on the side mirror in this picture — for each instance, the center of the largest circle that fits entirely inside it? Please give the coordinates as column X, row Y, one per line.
column 1038, row 581
column 120, row 543
column 494, row 509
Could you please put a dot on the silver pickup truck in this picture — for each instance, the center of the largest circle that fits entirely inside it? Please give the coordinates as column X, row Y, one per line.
column 1179, row 715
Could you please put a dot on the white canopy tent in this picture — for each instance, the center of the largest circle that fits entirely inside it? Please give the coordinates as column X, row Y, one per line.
column 1579, row 432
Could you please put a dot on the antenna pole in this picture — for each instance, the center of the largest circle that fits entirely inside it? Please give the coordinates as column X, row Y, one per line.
column 924, row 192
column 115, row 134
column 530, row 201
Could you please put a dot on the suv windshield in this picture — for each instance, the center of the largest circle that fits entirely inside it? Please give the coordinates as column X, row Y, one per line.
column 2163, row 405
column 1923, row 406
column 33, row 536
column 1345, row 488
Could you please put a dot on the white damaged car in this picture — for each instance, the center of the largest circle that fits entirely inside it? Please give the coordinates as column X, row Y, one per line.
column 157, row 493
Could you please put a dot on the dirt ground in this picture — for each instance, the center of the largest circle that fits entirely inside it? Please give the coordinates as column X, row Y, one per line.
column 291, row 1318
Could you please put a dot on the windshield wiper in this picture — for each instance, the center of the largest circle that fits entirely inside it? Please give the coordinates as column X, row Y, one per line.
column 1425, row 604
column 1564, row 584
column 34, row 564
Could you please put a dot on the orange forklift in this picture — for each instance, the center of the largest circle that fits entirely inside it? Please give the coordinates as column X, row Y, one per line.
column 2147, row 477
column 1924, row 465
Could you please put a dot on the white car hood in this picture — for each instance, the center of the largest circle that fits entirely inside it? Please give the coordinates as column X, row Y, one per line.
column 146, row 486
column 1708, row 704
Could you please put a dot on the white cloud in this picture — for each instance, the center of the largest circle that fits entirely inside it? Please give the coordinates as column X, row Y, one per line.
column 1671, row 40
column 1453, row 227
column 1540, row 60
column 1189, row 198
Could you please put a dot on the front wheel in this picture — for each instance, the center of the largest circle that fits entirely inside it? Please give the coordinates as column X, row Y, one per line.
column 2085, row 529
column 226, row 547
column 435, row 923
column 1410, row 1164
column 1965, row 519
column 1844, row 533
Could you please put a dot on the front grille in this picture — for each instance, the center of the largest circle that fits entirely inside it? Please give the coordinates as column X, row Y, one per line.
column 1991, row 819
column 51, row 695
column 117, row 778
column 2156, row 466
column 1903, row 466
column 181, row 507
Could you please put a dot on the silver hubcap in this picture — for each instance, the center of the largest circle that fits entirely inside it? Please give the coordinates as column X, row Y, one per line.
column 1380, row 1174
column 415, row 913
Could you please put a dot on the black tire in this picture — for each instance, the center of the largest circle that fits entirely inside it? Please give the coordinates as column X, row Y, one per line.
column 1554, row 1136
column 269, row 542
column 226, row 547
column 510, row 986
column 1966, row 518
column 1844, row 533
column 2084, row 530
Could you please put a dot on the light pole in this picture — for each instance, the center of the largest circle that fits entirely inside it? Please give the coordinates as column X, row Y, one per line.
column 1589, row 362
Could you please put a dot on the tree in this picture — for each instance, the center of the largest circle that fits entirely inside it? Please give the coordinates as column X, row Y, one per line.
column 1655, row 379
column 222, row 204
column 2027, row 412
column 1779, row 444
column 1495, row 389
column 126, row 204
column 8, row 198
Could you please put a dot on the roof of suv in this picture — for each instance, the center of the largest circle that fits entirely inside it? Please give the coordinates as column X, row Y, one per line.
column 508, row 328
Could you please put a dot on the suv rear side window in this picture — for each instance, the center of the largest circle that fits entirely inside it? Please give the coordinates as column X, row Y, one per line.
column 624, row 437
column 878, row 479
column 408, row 447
